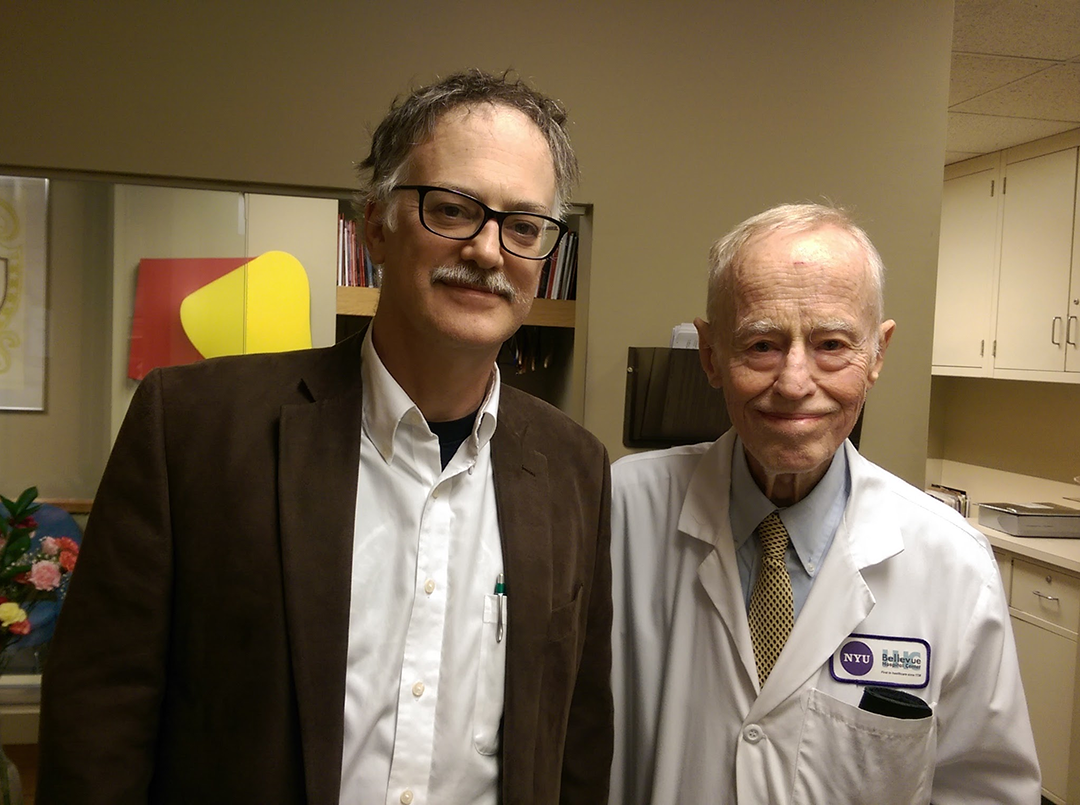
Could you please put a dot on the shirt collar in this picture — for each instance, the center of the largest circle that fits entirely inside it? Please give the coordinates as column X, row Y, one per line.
column 387, row 406
column 810, row 523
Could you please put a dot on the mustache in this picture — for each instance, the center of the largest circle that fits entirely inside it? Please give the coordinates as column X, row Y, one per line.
column 473, row 277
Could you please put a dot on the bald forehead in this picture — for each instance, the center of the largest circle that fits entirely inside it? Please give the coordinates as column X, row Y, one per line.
column 822, row 273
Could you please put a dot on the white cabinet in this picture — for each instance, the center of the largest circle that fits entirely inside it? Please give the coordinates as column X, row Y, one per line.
column 1036, row 255
column 1008, row 294
column 966, row 265
column 1044, row 603
column 153, row 221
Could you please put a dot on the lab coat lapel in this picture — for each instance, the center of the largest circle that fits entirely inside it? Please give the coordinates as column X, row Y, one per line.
column 705, row 517
column 521, row 495
column 319, row 459
column 840, row 598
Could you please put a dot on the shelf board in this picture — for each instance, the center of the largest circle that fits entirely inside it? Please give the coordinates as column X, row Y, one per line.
column 545, row 312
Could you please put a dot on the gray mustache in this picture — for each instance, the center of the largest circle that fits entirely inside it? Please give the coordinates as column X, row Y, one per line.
column 481, row 279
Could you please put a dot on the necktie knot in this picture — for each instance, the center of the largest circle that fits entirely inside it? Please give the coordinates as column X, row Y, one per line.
column 773, row 536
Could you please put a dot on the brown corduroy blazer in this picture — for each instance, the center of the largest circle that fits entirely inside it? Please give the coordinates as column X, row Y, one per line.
column 200, row 655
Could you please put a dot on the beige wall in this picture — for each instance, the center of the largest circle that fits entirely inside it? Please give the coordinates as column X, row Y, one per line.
column 687, row 117
column 63, row 449
column 1012, row 425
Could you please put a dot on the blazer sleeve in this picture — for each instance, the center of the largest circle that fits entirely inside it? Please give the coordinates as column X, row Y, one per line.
column 103, row 681
column 590, row 733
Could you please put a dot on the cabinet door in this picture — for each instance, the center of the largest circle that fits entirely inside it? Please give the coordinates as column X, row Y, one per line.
column 1047, row 667
column 1072, row 321
column 966, row 272
column 1036, row 252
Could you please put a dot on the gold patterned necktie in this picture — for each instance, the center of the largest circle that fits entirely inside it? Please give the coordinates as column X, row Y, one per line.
column 770, row 603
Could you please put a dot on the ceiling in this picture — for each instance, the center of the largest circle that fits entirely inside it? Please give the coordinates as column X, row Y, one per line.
column 1015, row 74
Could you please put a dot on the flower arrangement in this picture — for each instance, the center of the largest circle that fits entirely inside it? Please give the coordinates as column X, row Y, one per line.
column 29, row 572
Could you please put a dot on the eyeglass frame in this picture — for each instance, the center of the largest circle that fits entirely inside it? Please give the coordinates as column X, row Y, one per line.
column 499, row 216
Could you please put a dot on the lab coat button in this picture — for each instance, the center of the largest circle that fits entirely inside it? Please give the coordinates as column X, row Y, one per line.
column 753, row 733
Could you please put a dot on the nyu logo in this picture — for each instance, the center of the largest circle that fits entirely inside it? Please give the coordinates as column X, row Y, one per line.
column 856, row 658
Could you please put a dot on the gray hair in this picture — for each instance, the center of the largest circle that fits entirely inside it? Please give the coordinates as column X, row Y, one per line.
column 412, row 121
column 728, row 253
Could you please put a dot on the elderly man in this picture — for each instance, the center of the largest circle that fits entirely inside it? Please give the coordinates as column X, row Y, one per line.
column 308, row 576
column 768, row 582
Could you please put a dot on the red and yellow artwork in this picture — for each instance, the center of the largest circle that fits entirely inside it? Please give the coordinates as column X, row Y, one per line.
column 187, row 309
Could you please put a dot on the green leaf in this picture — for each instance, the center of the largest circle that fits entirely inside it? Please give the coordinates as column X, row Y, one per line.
column 14, row 550
column 27, row 497
column 8, row 504
column 13, row 571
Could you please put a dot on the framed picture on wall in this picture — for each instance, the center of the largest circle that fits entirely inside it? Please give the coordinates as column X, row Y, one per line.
column 23, row 225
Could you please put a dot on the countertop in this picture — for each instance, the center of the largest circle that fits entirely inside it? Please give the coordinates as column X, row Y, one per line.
column 1061, row 552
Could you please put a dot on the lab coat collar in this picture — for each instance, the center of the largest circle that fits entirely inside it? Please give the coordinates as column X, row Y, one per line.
column 840, row 598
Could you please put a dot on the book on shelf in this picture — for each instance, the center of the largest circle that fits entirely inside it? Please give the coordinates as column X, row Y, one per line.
column 354, row 264
column 558, row 278
column 1040, row 519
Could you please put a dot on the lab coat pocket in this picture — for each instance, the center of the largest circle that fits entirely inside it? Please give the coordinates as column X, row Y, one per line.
column 488, row 707
column 849, row 755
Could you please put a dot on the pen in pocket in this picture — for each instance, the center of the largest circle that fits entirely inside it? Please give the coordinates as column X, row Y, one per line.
column 500, row 591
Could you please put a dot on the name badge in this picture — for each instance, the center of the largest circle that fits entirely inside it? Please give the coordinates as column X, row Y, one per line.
column 897, row 662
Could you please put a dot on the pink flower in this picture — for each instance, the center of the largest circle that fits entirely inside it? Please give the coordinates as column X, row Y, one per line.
column 67, row 560
column 45, row 575
column 50, row 546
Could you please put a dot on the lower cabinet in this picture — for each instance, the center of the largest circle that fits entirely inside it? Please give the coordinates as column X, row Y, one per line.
column 1044, row 603
column 1048, row 668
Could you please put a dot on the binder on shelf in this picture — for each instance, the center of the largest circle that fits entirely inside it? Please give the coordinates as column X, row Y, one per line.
column 1040, row 519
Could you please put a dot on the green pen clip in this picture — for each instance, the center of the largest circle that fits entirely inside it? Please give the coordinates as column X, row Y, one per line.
column 500, row 591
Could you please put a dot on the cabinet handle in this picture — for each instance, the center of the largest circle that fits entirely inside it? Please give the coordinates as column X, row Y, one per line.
column 1054, row 331
column 1069, row 337
column 1045, row 597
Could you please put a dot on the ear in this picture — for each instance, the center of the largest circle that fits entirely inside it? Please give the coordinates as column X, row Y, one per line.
column 375, row 231
column 707, row 352
column 885, row 335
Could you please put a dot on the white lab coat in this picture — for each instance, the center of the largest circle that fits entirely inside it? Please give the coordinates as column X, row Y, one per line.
column 691, row 725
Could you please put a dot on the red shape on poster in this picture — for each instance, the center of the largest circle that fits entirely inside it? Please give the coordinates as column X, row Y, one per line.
column 157, row 337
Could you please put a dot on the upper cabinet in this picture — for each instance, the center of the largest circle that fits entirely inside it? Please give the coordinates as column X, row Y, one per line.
column 966, row 266
column 1036, row 258
column 1008, row 295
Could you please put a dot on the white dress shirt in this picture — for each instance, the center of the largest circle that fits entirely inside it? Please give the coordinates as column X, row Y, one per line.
column 424, row 683
column 811, row 524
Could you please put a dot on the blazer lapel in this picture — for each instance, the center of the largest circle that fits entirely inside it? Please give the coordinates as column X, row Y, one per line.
column 319, row 459
column 521, row 495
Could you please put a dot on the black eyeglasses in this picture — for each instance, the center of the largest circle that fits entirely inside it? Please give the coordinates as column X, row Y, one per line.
column 457, row 216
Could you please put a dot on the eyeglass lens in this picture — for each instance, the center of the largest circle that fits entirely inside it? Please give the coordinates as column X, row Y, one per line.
column 454, row 215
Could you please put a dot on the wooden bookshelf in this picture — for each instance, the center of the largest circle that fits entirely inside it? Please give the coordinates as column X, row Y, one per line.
column 545, row 312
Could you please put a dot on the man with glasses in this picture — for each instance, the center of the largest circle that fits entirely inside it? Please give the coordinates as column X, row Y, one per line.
column 370, row 573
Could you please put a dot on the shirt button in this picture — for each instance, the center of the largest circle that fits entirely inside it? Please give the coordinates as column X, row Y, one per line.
column 418, row 689
column 753, row 733
column 429, row 586
column 406, row 797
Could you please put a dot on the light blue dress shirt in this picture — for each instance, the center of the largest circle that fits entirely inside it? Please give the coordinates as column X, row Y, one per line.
column 811, row 524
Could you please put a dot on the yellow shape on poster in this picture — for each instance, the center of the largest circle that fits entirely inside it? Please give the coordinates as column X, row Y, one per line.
column 262, row 306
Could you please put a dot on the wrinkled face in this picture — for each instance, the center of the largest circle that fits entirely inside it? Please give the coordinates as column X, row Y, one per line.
column 500, row 157
column 794, row 352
